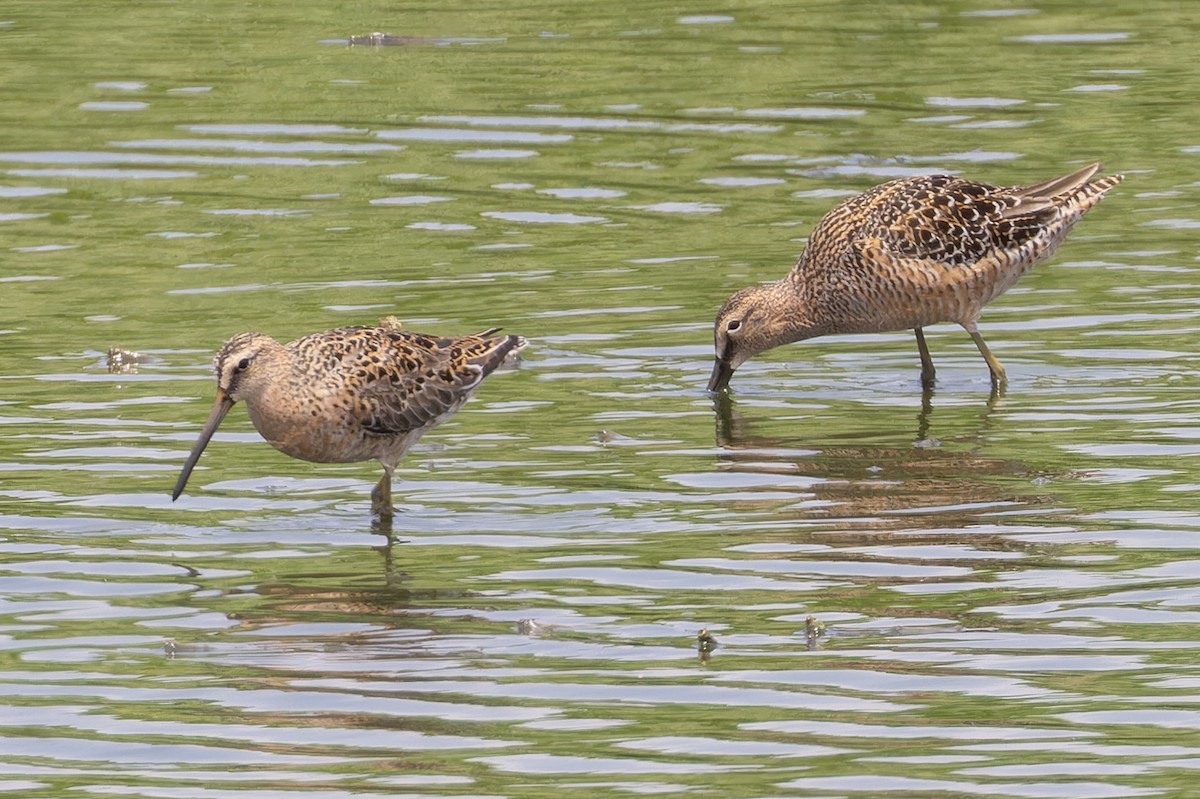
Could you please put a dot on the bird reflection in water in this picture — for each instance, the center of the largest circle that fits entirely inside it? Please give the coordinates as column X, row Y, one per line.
column 866, row 490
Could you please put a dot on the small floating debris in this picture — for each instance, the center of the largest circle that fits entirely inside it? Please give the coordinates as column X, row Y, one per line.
column 120, row 361
column 532, row 627
column 813, row 630
column 173, row 649
column 706, row 644
column 378, row 39
column 606, row 437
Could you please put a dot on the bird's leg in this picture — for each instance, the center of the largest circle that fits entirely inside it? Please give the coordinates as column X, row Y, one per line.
column 381, row 496
column 928, row 373
column 999, row 379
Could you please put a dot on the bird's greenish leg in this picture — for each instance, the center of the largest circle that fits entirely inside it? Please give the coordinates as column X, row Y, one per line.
column 928, row 373
column 381, row 496
column 999, row 379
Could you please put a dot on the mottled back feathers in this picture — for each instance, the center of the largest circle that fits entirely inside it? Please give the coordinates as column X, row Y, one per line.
column 438, row 375
column 398, row 381
column 949, row 221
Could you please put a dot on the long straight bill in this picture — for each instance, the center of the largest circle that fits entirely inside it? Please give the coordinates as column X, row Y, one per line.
column 220, row 407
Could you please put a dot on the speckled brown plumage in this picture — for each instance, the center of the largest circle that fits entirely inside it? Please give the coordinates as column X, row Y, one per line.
column 907, row 254
column 350, row 394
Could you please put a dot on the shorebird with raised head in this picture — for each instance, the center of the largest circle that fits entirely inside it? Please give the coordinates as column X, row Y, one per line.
column 349, row 394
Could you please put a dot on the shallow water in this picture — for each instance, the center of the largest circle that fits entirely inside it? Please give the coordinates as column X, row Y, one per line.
column 947, row 595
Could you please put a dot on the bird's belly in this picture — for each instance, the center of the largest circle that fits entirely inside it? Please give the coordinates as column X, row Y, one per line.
column 882, row 317
column 323, row 438
column 323, row 449
column 903, row 304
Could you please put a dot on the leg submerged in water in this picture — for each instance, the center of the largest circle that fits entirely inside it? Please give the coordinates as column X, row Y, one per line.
column 381, row 496
column 999, row 379
column 928, row 373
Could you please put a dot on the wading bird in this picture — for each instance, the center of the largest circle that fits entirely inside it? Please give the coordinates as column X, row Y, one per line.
column 350, row 394
column 905, row 255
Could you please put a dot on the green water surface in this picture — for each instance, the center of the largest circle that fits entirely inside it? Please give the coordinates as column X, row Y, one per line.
column 1006, row 587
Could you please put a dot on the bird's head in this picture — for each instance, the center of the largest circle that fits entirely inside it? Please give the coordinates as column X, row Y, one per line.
column 243, row 368
column 243, row 365
column 754, row 320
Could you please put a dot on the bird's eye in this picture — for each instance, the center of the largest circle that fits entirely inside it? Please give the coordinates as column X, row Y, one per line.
column 243, row 364
column 733, row 325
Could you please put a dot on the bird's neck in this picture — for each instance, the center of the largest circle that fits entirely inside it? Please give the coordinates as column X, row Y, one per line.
column 790, row 313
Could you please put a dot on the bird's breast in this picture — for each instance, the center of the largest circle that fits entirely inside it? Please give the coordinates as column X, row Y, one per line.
column 311, row 427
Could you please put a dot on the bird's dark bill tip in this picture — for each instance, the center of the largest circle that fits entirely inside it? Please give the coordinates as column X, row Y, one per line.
column 722, row 373
column 221, row 406
column 181, row 483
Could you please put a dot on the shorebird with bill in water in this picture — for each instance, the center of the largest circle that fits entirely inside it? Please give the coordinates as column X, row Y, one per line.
column 905, row 255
